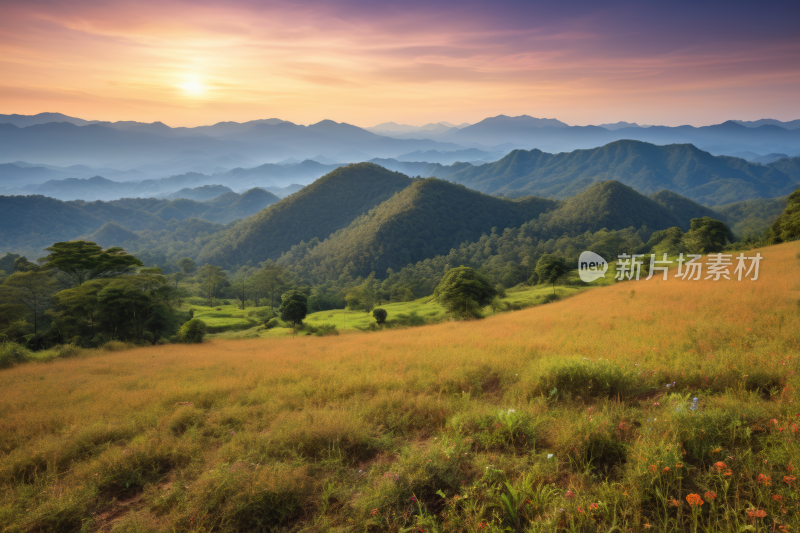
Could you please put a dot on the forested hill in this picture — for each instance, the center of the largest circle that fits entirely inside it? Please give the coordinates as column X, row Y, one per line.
column 327, row 205
column 30, row 223
column 432, row 216
column 426, row 219
column 681, row 168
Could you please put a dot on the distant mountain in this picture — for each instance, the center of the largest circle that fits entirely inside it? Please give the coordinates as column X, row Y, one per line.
column 132, row 144
column 327, row 205
column 30, row 223
column 23, row 121
column 620, row 125
column 648, row 168
column 769, row 158
column 448, row 158
column 111, row 234
column 206, row 192
column 790, row 125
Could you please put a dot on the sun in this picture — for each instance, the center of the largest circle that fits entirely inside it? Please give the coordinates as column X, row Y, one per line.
column 193, row 88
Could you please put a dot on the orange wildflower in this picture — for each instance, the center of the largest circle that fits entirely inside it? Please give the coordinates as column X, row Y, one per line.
column 778, row 498
column 666, row 469
column 764, row 480
column 756, row 513
column 679, row 465
column 790, row 467
column 720, row 466
column 674, row 502
column 729, row 472
column 694, row 500
column 710, row 495
column 653, row 468
column 374, row 512
column 789, row 479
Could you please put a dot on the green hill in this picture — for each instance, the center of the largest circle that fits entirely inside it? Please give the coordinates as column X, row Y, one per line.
column 681, row 168
column 111, row 234
column 427, row 218
column 327, row 205
column 242, row 206
column 751, row 218
column 685, row 209
column 787, row 226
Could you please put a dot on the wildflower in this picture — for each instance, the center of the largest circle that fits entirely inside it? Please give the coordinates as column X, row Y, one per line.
column 756, row 513
column 764, row 480
column 710, row 495
column 729, row 472
column 778, row 498
column 666, row 469
column 656, row 404
column 580, row 510
column 653, row 468
column 720, row 466
column 481, row 525
column 674, row 502
column 679, row 465
column 790, row 467
column 789, row 479
column 413, row 499
column 374, row 512
column 569, row 494
column 694, row 500
column 594, row 506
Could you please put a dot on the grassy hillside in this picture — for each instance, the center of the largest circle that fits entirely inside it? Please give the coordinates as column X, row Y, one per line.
column 681, row 168
column 426, row 219
column 611, row 410
column 316, row 211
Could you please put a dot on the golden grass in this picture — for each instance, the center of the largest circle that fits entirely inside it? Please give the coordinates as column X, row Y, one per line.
column 266, row 401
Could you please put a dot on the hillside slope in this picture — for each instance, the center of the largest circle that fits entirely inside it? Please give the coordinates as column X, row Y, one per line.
column 327, row 205
column 681, row 168
column 426, row 219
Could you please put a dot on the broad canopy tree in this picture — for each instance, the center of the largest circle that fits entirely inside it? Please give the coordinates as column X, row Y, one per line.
column 294, row 307
column 464, row 292
column 81, row 261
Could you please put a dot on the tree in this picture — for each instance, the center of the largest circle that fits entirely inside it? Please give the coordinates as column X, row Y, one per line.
column 211, row 278
column 379, row 315
column 464, row 291
column 192, row 331
column 294, row 307
column 21, row 264
column 270, row 280
column 33, row 289
column 707, row 236
column 550, row 268
column 787, row 226
column 85, row 260
column 187, row 265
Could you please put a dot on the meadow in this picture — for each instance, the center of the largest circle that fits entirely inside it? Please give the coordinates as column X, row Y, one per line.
column 650, row 405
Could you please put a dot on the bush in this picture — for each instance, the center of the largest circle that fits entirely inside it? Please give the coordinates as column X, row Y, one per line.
column 324, row 330
column 193, row 331
column 379, row 315
column 274, row 323
column 592, row 380
column 11, row 354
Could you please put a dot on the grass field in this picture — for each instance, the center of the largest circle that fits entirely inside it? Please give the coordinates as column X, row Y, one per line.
column 230, row 322
column 661, row 406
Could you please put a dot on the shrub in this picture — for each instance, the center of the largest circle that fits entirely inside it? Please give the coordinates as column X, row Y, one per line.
column 586, row 379
column 193, row 331
column 324, row 330
column 11, row 354
column 274, row 322
column 379, row 314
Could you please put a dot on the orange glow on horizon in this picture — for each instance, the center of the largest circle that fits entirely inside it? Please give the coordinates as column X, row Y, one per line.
column 197, row 64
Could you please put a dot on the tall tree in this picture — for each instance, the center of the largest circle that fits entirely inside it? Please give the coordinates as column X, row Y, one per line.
column 211, row 278
column 270, row 280
column 84, row 260
column 33, row 289
column 294, row 307
column 550, row 268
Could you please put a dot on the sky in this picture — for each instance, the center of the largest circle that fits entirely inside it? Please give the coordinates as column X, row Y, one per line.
column 190, row 63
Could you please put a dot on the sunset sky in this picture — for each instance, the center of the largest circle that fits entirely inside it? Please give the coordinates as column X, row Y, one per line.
column 366, row 62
